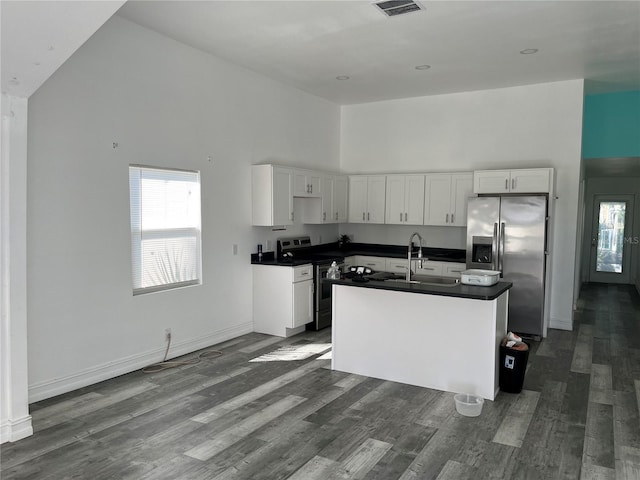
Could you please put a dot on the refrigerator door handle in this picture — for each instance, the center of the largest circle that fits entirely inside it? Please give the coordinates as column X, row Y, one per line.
column 501, row 249
column 494, row 248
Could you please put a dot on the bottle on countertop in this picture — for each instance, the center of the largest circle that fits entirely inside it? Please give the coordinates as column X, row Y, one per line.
column 333, row 272
column 259, row 252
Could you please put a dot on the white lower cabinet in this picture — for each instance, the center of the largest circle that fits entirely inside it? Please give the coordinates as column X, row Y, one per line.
column 453, row 269
column 430, row 268
column 377, row 264
column 397, row 265
column 282, row 299
column 442, row 269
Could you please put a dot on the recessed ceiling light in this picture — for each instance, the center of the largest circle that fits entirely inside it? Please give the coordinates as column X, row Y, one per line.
column 342, row 77
column 422, row 67
column 528, row 51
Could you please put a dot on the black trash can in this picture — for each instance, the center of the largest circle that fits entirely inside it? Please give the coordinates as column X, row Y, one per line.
column 513, row 364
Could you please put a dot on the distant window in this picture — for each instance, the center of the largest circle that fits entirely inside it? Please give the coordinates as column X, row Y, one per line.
column 165, row 228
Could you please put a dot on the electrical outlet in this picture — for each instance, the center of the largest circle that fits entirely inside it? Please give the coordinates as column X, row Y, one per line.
column 167, row 334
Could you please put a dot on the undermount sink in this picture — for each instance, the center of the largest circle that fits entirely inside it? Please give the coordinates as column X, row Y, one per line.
column 427, row 280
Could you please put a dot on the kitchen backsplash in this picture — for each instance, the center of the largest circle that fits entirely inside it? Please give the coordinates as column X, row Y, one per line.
column 438, row 237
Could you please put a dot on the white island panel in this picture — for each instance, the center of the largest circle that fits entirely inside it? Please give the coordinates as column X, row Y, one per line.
column 441, row 342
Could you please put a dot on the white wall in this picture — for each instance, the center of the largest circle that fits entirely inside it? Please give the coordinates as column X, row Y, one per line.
column 15, row 421
column 167, row 105
column 529, row 126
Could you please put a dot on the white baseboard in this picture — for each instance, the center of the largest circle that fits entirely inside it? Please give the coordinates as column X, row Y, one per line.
column 14, row 430
column 561, row 324
column 99, row 373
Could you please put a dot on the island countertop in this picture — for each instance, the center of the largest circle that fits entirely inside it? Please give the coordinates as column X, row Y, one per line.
column 459, row 290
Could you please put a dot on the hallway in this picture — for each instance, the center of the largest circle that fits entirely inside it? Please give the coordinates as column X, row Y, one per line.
column 577, row 417
column 589, row 381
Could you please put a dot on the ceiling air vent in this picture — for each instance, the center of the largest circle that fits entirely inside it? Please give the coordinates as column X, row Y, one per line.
column 391, row 8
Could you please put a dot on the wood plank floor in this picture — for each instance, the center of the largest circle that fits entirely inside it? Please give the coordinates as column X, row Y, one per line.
column 227, row 418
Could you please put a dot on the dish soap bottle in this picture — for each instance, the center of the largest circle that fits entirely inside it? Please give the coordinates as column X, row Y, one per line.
column 333, row 272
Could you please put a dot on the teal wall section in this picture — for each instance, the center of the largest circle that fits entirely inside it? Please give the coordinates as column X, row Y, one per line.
column 611, row 125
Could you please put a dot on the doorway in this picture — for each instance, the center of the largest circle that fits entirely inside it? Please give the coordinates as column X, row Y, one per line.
column 611, row 227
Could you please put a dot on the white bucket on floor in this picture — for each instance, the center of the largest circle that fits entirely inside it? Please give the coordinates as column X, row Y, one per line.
column 468, row 405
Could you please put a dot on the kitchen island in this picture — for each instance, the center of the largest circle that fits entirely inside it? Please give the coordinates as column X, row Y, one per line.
column 444, row 337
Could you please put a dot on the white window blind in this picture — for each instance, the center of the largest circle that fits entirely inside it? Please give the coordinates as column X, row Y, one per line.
column 165, row 228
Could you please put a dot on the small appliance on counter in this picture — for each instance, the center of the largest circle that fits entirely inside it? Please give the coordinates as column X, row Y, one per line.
column 482, row 278
column 359, row 273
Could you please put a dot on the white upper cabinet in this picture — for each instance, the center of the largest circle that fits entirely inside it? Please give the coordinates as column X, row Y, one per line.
column 445, row 198
column 405, row 199
column 531, row 180
column 366, row 198
column 306, row 183
column 272, row 196
column 340, row 198
column 461, row 190
column 331, row 206
column 334, row 190
column 327, row 188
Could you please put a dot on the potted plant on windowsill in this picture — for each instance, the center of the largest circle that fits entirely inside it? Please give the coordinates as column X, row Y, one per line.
column 343, row 240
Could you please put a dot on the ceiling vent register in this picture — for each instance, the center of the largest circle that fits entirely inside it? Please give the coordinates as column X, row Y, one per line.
column 392, row 8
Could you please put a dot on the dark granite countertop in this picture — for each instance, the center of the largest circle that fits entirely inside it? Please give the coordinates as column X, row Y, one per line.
column 370, row 249
column 459, row 290
column 268, row 258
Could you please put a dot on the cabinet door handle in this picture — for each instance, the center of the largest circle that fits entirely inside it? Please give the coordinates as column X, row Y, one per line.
column 304, row 273
column 513, row 183
column 428, row 268
column 452, row 218
column 506, row 184
column 336, row 215
column 368, row 216
column 363, row 216
column 447, row 220
column 400, row 216
column 405, row 217
column 311, row 188
column 324, row 215
column 292, row 216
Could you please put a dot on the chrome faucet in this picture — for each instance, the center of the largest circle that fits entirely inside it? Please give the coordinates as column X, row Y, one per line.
column 410, row 254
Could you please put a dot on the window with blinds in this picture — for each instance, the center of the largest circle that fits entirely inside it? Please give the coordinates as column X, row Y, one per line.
column 165, row 228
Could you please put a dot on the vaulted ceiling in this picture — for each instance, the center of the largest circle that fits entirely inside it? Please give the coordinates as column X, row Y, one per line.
column 468, row 45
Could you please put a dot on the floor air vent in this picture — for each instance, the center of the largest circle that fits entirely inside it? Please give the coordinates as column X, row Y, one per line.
column 391, row 8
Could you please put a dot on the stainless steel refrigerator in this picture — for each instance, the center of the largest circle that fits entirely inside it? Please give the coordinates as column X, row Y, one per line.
column 509, row 234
